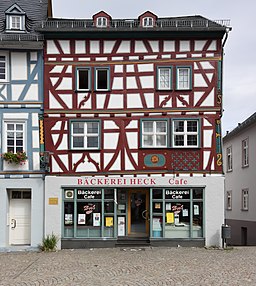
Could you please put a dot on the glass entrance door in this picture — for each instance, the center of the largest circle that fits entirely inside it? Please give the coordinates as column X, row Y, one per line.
column 138, row 213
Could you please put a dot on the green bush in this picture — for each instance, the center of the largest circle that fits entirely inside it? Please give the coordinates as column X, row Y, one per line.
column 49, row 243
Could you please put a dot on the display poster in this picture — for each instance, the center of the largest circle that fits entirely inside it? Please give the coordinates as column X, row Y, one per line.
column 185, row 212
column 96, row 219
column 196, row 209
column 68, row 219
column 109, row 221
column 81, row 218
column 176, row 219
column 121, row 226
column 168, row 206
column 156, row 224
column 170, row 217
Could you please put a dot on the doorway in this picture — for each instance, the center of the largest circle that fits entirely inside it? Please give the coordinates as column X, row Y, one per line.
column 20, row 217
column 244, row 236
column 138, row 213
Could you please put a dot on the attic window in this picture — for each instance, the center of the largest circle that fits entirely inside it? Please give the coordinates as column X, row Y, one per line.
column 148, row 22
column 101, row 22
column 15, row 19
column 15, row 22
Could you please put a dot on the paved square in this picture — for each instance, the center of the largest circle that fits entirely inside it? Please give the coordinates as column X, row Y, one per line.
column 130, row 266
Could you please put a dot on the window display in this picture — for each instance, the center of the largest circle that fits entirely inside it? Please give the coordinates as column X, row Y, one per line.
column 182, row 214
column 89, row 213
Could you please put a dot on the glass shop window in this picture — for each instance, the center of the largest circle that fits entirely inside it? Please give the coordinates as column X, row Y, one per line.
column 157, row 194
column 197, row 219
column 68, row 219
column 89, row 219
column 177, row 221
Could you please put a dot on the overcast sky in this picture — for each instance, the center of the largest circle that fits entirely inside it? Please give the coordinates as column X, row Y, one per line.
column 239, row 94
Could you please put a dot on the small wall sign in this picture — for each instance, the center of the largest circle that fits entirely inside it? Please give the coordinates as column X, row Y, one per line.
column 53, row 201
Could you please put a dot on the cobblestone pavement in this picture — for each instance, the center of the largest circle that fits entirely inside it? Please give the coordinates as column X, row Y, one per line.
column 130, row 266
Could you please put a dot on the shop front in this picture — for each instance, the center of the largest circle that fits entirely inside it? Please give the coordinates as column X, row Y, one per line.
column 91, row 214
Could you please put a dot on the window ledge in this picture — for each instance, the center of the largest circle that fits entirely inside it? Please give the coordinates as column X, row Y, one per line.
column 82, row 91
column 245, row 166
column 166, row 89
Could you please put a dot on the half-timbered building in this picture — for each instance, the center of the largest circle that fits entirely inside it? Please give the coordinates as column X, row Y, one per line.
column 21, row 106
column 133, row 129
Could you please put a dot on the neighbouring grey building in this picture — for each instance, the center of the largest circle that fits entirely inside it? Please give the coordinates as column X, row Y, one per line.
column 240, row 190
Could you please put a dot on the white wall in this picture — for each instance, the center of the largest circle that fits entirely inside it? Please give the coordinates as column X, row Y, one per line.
column 241, row 178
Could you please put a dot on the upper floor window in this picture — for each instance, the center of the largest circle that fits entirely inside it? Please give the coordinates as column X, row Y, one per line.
column 101, row 22
column 85, row 135
column 154, row 133
column 245, row 200
column 14, row 141
column 185, row 133
column 15, row 18
column 102, row 78
column 245, row 154
column 148, row 22
column 184, row 81
column 229, row 159
column 229, row 200
column 83, row 79
column 164, row 78
column 3, row 67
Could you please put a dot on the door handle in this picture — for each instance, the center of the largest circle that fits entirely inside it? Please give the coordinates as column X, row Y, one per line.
column 144, row 214
column 13, row 223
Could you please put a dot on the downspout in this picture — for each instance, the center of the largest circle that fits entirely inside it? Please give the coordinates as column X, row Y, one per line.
column 228, row 29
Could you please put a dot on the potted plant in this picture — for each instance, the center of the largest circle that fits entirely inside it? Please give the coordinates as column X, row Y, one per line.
column 18, row 158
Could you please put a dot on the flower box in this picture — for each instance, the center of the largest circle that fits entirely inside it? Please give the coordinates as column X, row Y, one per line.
column 18, row 158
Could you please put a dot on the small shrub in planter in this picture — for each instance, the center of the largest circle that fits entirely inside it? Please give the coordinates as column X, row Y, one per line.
column 18, row 158
column 49, row 243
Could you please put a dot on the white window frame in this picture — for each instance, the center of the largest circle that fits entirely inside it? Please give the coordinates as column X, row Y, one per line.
column 245, row 199
column 5, row 137
column 78, row 77
column 154, row 134
column 13, row 22
column 5, row 68
column 229, row 200
column 85, row 135
column 229, row 159
column 180, row 83
column 245, row 152
column 160, row 77
column 148, row 22
column 97, row 69
column 185, row 133
column 101, row 22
